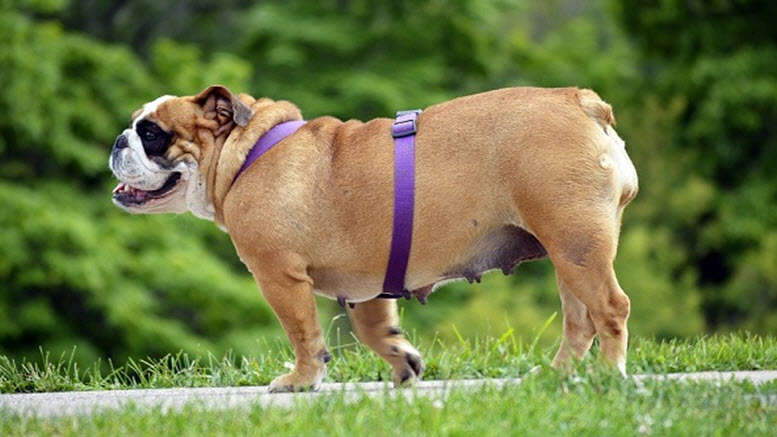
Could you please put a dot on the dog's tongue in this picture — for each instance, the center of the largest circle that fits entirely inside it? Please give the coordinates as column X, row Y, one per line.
column 134, row 192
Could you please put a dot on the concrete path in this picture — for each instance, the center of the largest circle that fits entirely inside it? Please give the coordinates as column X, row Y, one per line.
column 88, row 402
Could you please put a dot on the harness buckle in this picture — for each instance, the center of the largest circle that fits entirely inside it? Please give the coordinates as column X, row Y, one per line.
column 405, row 123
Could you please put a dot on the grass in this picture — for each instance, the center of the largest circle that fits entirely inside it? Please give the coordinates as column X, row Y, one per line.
column 544, row 404
column 505, row 356
column 548, row 403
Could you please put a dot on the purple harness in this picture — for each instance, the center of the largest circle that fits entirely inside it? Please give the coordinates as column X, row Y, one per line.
column 403, row 131
column 269, row 139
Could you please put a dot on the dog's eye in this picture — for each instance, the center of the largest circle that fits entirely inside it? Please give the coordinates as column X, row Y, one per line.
column 155, row 140
column 148, row 131
column 148, row 135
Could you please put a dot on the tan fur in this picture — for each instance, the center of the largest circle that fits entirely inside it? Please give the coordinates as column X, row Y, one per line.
column 597, row 109
column 314, row 214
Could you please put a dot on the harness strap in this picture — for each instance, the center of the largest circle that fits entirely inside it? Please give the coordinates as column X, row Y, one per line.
column 403, row 131
column 270, row 138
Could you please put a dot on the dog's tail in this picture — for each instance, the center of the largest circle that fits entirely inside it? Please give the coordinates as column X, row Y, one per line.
column 596, row 108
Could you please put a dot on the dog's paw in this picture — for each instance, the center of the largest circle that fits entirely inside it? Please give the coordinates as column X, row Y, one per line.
column 408, row 365
column 294, row 382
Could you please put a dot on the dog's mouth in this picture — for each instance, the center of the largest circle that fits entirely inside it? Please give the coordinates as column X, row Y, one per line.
column 129, row 195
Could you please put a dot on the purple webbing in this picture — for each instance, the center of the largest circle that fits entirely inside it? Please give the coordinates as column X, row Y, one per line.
column 272, row 137
column 403, row 130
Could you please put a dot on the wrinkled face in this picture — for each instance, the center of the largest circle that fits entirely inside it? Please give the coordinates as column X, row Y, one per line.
column 155, row 174
column 163, row 159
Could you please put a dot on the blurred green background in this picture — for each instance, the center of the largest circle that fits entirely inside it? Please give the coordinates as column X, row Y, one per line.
column 693, row 84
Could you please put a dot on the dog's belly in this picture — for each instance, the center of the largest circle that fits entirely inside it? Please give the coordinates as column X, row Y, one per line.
column 353, row 286
column 501, row 249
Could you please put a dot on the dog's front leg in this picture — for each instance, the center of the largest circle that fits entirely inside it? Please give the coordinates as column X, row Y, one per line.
column 288, row 289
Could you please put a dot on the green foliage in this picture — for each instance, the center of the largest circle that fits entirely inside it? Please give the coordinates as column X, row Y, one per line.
column 364, row 58
column 61, row 100
column 681, row 29
column 115, row 289
column 693, row 86
column 717, row 62
column 74, row 270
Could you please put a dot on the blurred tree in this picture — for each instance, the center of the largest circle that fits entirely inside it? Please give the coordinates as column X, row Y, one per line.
column 365, row 58
column 717, row 63
column 139, row 23
column 74, row 270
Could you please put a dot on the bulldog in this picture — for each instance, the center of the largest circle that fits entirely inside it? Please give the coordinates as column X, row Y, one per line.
column 500, row 177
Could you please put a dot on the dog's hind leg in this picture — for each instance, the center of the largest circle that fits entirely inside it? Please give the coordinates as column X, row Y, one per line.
column 579, row 330
column 581, row 242
column 376, row 325
column 593, row 284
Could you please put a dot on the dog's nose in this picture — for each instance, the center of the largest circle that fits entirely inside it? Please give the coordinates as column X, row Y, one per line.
column 120, row 143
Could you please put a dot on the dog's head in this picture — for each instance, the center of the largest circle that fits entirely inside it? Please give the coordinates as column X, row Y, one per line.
column 165, row 156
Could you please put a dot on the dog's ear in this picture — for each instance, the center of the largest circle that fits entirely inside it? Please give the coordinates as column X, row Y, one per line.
column 228, row 107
